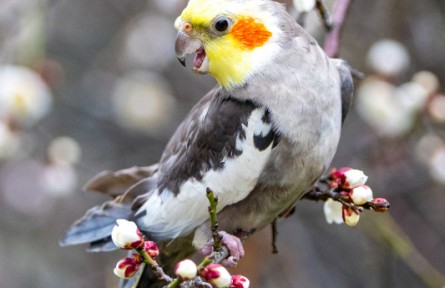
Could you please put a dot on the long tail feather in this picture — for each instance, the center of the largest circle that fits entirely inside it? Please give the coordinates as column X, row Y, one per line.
column 118, row 182
column 96, row 224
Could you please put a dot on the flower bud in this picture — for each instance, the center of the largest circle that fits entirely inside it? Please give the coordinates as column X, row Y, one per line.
column 127, row 267
column 333, row 211
column 126, row 235
column 186, row 269
column 380, row 205
column 217, row 275
column 349, row 178
column 239, row 281
column 151, row 248
column 361, row 194
column 350, row 217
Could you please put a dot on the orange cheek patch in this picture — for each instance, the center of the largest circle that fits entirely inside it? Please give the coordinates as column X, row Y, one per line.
column 250, row 33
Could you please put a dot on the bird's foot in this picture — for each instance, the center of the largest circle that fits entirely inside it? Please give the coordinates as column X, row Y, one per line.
column 233, row 244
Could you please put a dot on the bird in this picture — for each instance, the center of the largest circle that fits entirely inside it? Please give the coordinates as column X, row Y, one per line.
column 260, row 139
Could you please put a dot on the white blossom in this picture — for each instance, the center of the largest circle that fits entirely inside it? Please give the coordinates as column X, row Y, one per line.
column 361, row 194
column 353, row 178
column 217, row 275
column 333, row 211
column 350, row 217
column 126, row 235
column 186, row 269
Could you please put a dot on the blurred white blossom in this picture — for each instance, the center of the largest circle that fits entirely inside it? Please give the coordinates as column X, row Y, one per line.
column 143, row 101
column 388, row 58
column 428, row 80
column 171, row 7
column 426, row 146
column 24, row 97
column 437, row 165
column 411, row 97
column 304, row 5
column 64, row 150
column 9, row 142
column 436, row 108
column 149, row 42
column 380, row 109
column 59, row 179
column 21, row 189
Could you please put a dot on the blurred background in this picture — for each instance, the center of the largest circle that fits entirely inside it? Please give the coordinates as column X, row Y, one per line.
column 92, row 85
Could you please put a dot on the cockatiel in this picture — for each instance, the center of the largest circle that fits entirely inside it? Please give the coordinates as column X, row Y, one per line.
column 259, row 140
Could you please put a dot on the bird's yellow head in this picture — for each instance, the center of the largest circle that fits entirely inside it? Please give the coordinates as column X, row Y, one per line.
column 232, row 39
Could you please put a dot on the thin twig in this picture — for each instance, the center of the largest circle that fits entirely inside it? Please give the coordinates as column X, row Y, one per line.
column 157, row 270
column 324, row 14
column 324, row 193
column 274, row 236
column 213, row 200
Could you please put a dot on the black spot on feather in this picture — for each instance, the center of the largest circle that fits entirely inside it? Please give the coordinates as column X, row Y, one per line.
column 263, row 141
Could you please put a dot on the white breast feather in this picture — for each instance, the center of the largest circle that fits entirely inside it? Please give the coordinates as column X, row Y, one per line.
column 169, row 216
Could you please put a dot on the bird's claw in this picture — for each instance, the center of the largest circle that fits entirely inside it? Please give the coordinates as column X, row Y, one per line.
column 233, row 244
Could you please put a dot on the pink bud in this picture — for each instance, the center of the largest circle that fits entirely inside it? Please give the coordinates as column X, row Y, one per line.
column 151, row 248
column 127, row 267
column 381, row 205
column 126, row 235
column 239, row 281
column 348, row 178
column 217, row 275
column 350, row 217
column 186, row 269
column 361, row 194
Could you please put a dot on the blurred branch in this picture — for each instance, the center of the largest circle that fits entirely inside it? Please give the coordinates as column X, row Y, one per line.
column 332, row 39
column 324, row 14
column 386, row 230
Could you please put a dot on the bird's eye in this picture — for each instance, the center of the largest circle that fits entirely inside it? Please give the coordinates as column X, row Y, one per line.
column 222, row 24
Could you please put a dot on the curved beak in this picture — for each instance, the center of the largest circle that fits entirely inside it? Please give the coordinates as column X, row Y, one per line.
column 184, row 45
